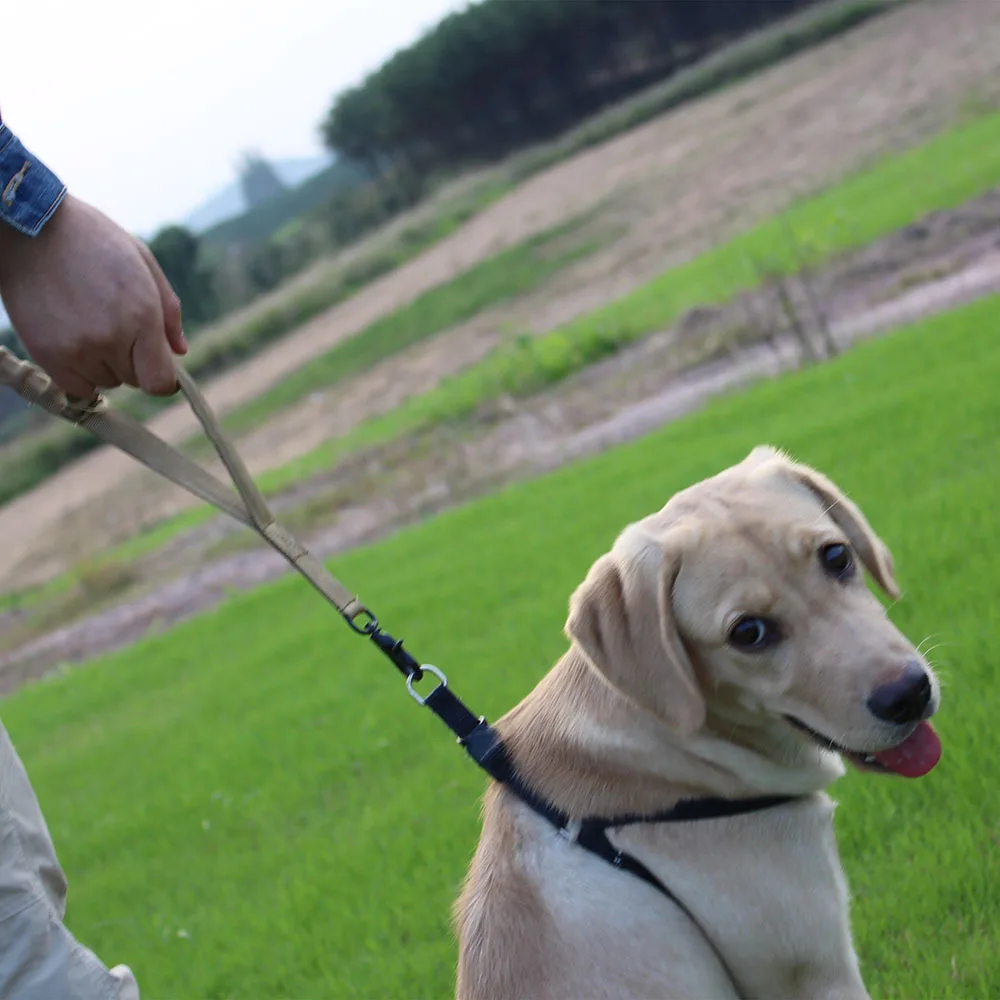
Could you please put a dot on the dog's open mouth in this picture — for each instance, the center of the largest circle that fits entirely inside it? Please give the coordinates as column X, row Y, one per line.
column 917, row 755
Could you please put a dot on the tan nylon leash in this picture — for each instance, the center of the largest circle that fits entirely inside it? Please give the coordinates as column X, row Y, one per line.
column 246, row 505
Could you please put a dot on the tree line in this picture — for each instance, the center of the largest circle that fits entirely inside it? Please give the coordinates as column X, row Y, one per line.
column 499, row 75
column 495, row 77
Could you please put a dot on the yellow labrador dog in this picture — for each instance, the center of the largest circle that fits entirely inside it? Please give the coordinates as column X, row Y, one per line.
column 663, row 831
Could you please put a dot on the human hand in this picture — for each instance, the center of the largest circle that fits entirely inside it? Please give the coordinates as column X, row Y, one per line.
column 91, row 304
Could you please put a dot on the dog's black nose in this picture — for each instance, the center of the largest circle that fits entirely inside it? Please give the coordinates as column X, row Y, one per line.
column 904, row 700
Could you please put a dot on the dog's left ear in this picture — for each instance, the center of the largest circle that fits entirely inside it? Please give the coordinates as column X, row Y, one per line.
column 874, row 553
column 622, row 620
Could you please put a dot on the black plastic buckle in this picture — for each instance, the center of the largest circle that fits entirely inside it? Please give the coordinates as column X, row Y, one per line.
column 393, row 648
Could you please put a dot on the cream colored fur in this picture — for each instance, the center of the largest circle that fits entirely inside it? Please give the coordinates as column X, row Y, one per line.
column 650, row 705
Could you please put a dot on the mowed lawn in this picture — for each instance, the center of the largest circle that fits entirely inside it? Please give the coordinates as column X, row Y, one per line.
column 251, row 805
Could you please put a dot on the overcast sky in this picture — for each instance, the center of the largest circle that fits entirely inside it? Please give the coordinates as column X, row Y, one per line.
column 144, row 108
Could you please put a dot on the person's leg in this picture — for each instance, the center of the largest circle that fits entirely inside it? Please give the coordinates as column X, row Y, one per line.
column 39, row 958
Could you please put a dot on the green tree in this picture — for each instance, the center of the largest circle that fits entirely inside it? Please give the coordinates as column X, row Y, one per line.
column 177, row 251
column 499, row 75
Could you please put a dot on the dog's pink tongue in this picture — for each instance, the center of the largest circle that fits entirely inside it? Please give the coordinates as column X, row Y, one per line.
column 916, row 755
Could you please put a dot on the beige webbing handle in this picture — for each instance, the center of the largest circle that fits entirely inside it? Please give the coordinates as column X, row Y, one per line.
column 33, row 385
column 131, row 437
column 266, row 524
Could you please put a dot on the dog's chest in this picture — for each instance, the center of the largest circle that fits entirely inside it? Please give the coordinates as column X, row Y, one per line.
column 767, row 887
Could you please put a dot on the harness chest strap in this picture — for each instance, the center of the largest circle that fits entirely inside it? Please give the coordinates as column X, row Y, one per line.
column 485, row 746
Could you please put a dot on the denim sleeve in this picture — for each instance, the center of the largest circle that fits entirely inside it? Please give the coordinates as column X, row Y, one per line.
column 29, row 191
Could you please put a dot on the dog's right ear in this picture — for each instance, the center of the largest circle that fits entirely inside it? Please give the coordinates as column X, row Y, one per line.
column 622, row 620
column 873, row 552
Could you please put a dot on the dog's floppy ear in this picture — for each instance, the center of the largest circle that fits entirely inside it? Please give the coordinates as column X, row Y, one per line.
column 621, row 619
column 873, row 551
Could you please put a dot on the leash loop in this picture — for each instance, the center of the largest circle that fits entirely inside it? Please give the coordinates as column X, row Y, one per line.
column 240, row 498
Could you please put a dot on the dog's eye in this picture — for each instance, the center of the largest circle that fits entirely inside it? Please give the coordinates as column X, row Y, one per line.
column 837, row 560
column 752, row 633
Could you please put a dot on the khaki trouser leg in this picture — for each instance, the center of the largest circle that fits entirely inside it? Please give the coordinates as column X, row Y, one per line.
column 39, row 958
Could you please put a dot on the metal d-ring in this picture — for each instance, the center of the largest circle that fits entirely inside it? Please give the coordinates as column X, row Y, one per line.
column 369, row 623
column 427, row 668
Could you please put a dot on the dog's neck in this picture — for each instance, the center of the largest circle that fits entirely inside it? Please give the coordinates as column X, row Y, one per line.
column 588, row 750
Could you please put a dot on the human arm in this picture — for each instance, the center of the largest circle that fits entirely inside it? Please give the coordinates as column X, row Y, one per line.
column 88, row 300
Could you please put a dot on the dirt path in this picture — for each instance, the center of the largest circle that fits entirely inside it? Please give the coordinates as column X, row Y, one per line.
column 762, row 361
column 680, row 182
column 580, row 418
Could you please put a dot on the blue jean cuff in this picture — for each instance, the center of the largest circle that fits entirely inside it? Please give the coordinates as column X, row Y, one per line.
column 29, row 191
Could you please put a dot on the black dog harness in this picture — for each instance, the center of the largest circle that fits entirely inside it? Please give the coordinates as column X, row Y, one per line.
column 484, row 745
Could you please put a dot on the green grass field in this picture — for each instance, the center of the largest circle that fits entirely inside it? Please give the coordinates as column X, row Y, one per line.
column 251, row 806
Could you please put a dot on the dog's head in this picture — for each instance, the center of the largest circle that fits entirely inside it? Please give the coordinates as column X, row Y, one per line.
column 749, row 586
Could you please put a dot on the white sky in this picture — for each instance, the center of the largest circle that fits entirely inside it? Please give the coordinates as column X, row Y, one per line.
column 143, row 108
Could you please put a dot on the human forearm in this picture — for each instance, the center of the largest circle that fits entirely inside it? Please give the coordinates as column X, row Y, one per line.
column 89, row 301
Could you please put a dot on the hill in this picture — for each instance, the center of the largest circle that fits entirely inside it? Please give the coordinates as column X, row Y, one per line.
column 267, row 219
column 228, row 202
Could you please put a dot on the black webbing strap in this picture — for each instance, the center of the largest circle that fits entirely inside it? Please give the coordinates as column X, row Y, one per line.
column 455, row 714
